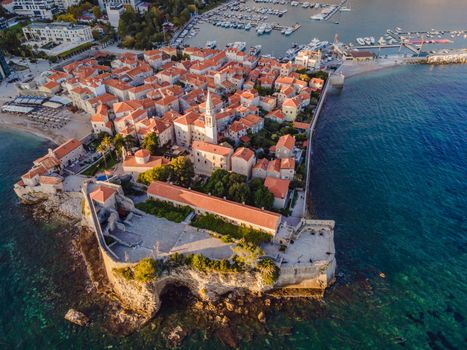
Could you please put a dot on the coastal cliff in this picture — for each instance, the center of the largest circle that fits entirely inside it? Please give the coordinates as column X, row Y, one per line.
column 146, row 298
column 139, row 301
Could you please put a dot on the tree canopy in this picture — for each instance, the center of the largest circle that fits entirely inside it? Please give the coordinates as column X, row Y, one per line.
column 150, row 143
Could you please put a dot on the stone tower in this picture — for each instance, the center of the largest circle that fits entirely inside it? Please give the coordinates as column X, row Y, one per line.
column 210, row 122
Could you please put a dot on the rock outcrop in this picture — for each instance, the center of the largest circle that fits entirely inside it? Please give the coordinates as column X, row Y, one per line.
column 145, row 298
column 76, row 317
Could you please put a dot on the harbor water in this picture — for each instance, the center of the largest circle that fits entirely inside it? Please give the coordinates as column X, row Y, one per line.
column 366, row 18
column 389, row 165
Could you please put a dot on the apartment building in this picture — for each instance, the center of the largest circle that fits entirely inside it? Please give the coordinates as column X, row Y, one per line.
column 58, row 32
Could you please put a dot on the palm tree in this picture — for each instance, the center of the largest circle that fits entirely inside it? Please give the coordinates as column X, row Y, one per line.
column 104, row 147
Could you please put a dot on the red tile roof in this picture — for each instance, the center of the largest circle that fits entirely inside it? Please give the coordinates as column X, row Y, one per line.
column 217, row 206
column 244, row 153
column 287, row 141
column 211, row 148
column 67, row 147
column 102, row 193
column 278, row 187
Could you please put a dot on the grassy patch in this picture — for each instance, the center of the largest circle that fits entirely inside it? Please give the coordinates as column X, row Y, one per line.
column 100, row 165
column 164, row 210
column 216, row 224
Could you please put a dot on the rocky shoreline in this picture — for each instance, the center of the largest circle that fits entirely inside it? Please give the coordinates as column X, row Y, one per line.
column 235, row 317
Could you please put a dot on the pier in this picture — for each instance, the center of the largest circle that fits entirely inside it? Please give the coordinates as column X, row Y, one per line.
column 334, row 11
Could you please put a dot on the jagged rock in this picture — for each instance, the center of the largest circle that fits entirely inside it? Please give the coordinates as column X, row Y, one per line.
column 198, row 305
column 176, row 336
column 76, row 317
column 229, row 306
column 227, row 337
column 267, row 302
column 261, row 317
column 225, row 320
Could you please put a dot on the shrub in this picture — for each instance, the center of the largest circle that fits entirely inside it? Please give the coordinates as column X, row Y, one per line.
column 145, row 270
column 164, row 210
column 269, row 271
column 216, row 224
column 124, row 272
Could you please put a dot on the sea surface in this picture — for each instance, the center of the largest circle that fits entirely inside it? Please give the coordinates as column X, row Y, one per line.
column 389, row 166
column 367, row 18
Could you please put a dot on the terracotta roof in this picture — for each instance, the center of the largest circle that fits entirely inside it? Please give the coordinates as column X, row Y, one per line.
column 51, row 85
column 211, row 148
column 261, row 164
column 292, row 102
column 67, row 147
column 274, row 165
column 244, row 153
column 154, row 161
column 40, row 170
column 287, row 141
column 102, row 193
column 278, row 187
column 49, row 180
column 142, row 153
column 214, row 205
column 187, row 119
column 288, row 163
column 301, row 125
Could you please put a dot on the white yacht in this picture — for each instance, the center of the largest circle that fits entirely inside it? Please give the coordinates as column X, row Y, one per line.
column 360, row 41
column 248, row 26
column 288, row 31
column 260, row 29
column 211, row 44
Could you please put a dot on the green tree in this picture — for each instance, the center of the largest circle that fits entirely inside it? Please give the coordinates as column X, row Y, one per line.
column 239, row 192
column 159, row 173
column 130, row 141
column 96, row 11
column 264, row 198
column 66, row 17
column 218, row 189
column 182, row 171
column 150, row 143
column 104, row 146
column 119, row 142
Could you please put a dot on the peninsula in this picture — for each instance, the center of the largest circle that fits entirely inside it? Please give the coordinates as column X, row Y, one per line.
column 195, row 173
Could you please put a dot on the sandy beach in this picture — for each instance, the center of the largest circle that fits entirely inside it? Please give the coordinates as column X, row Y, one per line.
column 78, row 127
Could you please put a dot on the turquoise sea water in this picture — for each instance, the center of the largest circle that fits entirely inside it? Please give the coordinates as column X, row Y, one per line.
column 389, row 165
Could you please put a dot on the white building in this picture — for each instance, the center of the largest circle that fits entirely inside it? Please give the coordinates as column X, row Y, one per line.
column 104, row 3
column 242, row 161
column 208, row 157
column 58, row 32
column 308, row 59
column 114, row 11
column 42, row 9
